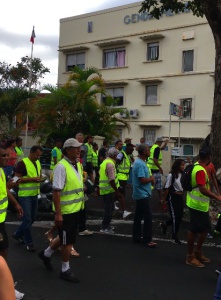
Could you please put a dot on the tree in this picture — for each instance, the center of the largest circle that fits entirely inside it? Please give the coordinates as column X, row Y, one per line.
column 25, row 74
column 13, row 102
column 211, row 9
column 17, row 86
column 74, row 108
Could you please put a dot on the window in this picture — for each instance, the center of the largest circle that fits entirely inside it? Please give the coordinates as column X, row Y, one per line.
column 114, row 58
column 75, row 60
column 152, row 51
column 151, row 94
column 186, row 105
column 150, row 135
column 188, row 150
column 188, row 60
column 117, row 94
column 118, row 135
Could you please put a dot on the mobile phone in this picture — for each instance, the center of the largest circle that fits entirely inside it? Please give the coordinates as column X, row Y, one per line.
column 15, row 178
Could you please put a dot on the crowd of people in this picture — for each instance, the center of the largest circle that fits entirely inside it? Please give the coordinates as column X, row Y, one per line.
column 79, row 169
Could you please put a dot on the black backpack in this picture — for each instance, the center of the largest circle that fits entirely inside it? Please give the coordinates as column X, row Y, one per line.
column 186, row 178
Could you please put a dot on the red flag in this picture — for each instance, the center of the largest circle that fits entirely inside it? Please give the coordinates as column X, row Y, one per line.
column 32, row 39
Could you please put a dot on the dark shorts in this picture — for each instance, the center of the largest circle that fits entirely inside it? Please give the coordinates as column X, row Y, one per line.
column 89, row 168
column 199, row 221
column 67, row 233
column 123, row 184
column 3, row 237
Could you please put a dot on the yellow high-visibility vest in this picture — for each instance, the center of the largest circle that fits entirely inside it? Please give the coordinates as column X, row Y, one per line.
column 72, row 195
column 59, row 156
column 104, row 184
column 123, row 169
column 151, row 163
column 30, row 188
column 3, row 196
column 195, row 199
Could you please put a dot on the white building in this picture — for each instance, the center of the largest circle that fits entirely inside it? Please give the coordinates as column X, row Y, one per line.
column 147, row 63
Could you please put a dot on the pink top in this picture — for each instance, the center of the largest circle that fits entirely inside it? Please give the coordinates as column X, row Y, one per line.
column 12, row 157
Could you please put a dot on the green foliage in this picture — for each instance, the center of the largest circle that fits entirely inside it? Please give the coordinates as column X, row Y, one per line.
column 13, row 102
column 74, row 108
column 157, row 8
column 24, row 74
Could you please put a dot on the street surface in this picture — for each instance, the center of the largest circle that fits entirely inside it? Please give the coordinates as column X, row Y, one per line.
column 112, row 267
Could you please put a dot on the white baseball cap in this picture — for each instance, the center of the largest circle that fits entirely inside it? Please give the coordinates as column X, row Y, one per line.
column 71, row 143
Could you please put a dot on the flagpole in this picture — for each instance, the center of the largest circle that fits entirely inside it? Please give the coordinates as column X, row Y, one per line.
column 170, row 123
column 29, row 84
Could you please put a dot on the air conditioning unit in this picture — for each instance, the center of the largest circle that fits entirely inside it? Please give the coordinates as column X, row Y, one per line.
column 134, row 113
column 124, row 114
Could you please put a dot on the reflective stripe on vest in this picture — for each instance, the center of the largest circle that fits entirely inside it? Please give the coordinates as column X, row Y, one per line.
column 123, row 169
column 195, row 199
column 30, row 188
column 89, row 152
column 3, row 196
column 59, row 155
column 104, row 184
column 94, row 159
column 151, row 163
column 72, row 196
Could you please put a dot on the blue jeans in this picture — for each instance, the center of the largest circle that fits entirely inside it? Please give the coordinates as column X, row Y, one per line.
column 30, row 208
column 217, row 295
column 142, row 211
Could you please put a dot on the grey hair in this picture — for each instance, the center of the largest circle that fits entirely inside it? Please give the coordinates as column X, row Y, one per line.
column 142, row 148
column 112, row 152
column 79, row 134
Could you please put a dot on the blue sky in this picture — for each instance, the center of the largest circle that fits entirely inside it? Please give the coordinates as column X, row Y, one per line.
column 18, row 18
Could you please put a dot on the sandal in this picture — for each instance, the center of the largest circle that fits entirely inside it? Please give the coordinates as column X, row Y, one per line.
column 151, row 245
column 49, row 236
column 74, row 253
column 192, row 261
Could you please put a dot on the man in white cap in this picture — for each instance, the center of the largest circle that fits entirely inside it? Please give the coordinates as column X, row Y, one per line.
column 155, row 165
column 68, row 200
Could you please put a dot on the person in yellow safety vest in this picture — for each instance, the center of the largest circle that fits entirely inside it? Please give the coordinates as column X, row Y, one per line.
column 197, row 201
column 18, row 149
column 29, row 172
column 109, row 188
column 126, row 141
column 5, row 196
column 68, row 200
column 89, row 149
column 123, row 165
column 56, row 153
column 82, row 218
column 95, row 162
column 155, row 165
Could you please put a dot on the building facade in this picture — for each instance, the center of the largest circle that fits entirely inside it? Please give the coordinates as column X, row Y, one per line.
column 147, row 64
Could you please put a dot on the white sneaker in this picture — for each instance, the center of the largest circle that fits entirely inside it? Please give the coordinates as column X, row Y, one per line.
column 18, row 295
column 86, row 232
column 126, row 214
column 107, row 231
column 115, row 206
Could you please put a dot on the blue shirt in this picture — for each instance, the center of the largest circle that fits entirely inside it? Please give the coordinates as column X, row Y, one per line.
column 140, row 170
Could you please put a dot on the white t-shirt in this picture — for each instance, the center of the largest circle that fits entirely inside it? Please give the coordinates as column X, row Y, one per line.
column 177, row 184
